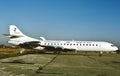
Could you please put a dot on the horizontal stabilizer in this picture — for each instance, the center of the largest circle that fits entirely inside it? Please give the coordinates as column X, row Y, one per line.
column 12, row 36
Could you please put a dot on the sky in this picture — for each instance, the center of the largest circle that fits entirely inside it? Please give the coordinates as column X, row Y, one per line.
column 91, row 20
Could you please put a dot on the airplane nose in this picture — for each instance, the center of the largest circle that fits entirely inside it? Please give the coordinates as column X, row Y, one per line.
column 116, row 48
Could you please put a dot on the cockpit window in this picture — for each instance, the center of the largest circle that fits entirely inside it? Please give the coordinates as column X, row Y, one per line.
column 113, row 45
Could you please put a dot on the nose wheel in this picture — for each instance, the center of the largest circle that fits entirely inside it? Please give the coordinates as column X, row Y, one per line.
column 101, row 52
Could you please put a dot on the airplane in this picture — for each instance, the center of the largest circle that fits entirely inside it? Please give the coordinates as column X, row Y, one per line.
column 26, row 42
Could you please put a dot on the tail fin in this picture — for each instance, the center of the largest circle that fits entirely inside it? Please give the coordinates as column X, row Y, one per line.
column 15, row 31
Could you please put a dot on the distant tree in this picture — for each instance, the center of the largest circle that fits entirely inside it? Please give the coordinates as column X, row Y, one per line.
column 2, row 46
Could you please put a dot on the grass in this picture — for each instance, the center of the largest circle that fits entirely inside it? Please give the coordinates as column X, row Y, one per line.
column 67, row 65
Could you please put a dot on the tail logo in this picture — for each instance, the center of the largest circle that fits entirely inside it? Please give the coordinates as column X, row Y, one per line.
column 14, row 29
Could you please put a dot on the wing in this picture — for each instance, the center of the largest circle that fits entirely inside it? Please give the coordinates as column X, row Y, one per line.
column 30, row 45
column 57, row 48
column 13, row 36
column 53, row 48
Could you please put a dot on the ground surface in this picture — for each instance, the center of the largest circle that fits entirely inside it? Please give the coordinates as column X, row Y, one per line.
column 13, row 64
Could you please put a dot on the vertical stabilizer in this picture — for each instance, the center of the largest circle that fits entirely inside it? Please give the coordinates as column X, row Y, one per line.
column 15, row 31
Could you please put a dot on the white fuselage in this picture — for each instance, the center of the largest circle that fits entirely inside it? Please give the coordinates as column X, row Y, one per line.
column 18, row 38
column 81, row 45
column 73, row 45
